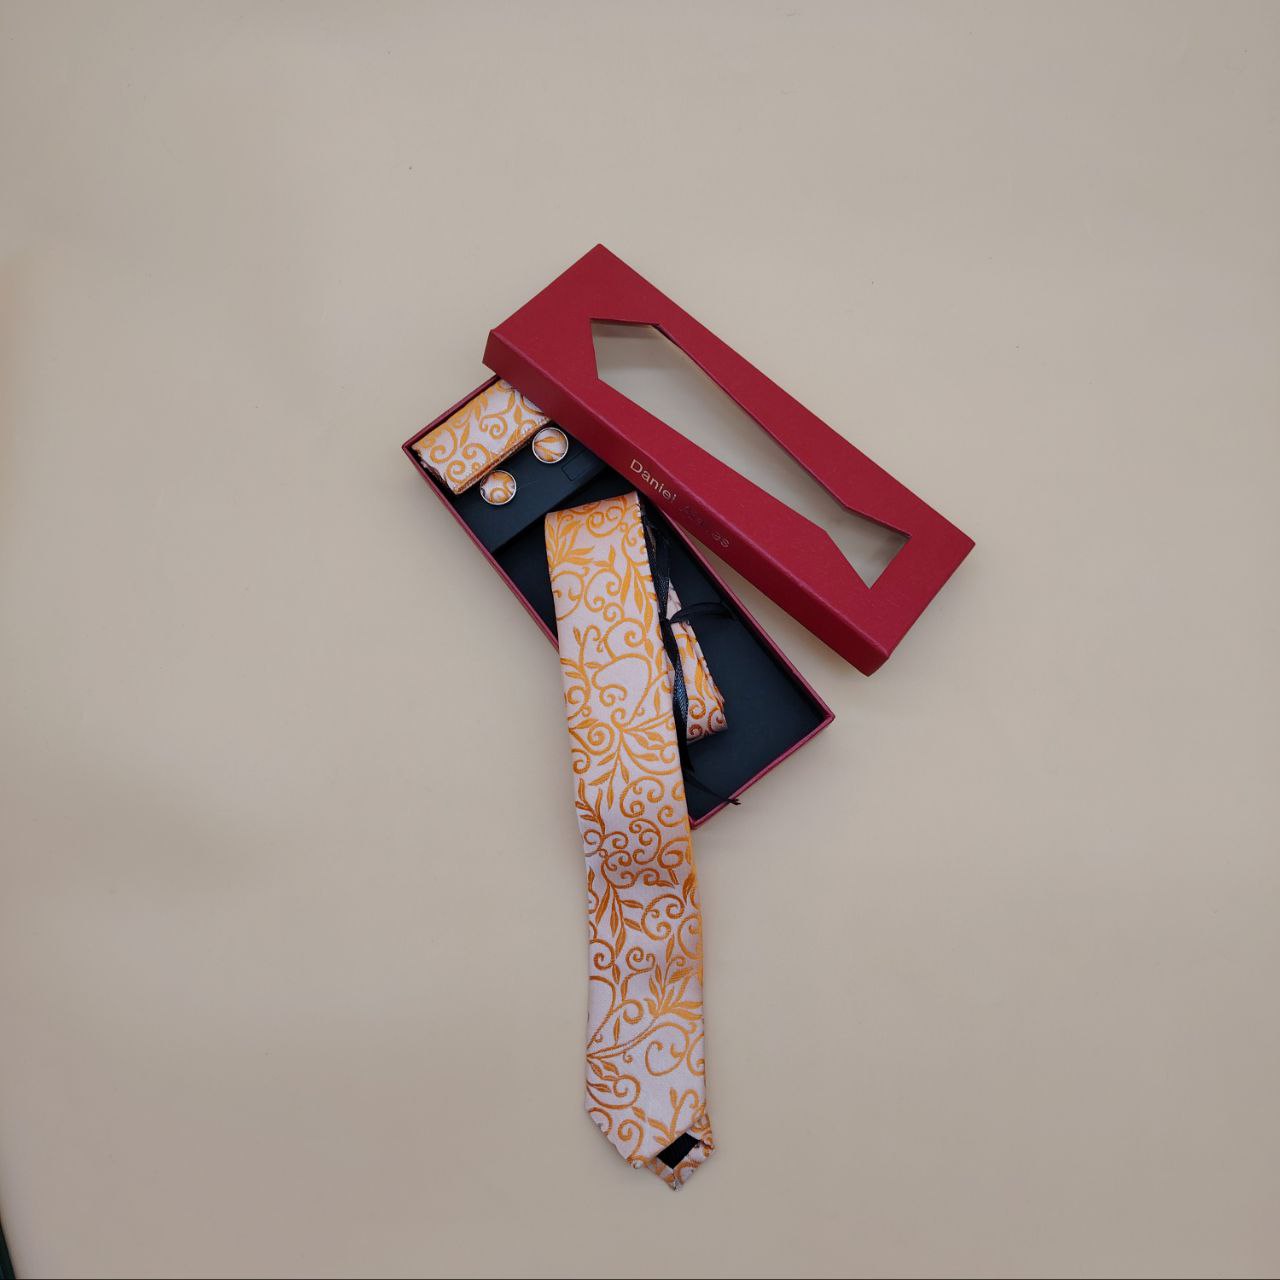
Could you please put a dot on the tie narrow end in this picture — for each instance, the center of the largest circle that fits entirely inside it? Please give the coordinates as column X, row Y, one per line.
column 675, row 1164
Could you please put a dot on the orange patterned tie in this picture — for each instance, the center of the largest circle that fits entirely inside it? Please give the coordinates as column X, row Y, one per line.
column 646, row 1071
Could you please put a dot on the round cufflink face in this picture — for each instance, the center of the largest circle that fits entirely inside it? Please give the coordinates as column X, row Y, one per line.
column 498, row 488
column 550, row 444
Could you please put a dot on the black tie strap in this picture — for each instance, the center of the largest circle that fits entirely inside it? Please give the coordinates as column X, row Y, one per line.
column 701, row 609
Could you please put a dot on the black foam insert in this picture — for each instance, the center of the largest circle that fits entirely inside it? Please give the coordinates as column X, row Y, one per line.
column 540, row 487
column 768, row 710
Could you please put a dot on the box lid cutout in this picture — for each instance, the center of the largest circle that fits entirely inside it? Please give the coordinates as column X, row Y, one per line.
column 638, row 361
column 546, row 349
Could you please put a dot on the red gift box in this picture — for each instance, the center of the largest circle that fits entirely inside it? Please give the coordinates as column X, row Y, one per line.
column 545, row 350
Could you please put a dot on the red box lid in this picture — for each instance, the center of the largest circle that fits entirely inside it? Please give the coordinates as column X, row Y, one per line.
column 546, row 350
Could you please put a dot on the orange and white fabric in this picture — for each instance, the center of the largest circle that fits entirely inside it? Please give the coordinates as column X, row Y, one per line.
column 472, row 441
column 646, row 1067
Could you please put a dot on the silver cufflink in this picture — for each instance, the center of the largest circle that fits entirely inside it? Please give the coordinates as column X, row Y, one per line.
column 498, row 488
column 550, row 445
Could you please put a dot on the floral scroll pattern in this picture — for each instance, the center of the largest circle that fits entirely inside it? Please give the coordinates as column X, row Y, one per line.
column 487, row 429
column 646, row 1070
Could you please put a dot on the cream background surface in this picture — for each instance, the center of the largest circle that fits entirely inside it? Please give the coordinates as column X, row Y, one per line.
column 291, row 958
